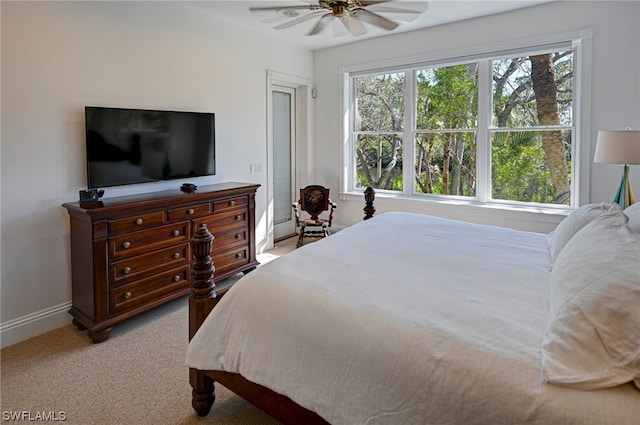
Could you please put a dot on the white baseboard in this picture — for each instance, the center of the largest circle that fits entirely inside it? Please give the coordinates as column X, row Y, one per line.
column 34, row 324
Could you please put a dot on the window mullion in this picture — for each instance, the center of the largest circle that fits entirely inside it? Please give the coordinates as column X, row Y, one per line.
column 349, row 148
column 408, row 136
column 483, row 138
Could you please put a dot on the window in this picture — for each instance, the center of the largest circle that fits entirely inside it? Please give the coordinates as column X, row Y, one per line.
column 378, row 130
column 493, row 129
column 446, row 130
column 532, row 128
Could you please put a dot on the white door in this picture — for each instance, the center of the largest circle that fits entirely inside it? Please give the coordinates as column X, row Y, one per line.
column 284, row 142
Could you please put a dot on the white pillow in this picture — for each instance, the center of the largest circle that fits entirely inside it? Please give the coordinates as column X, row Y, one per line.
column 568, row 227
column 633, row 212
column 593, row 336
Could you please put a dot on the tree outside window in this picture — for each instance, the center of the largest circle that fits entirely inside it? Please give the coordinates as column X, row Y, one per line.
column 531, row 136
column 446, row 129
column 528, row 135
column 378, row 130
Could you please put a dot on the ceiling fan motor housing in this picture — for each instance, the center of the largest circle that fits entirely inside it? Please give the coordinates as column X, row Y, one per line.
column 339, row 8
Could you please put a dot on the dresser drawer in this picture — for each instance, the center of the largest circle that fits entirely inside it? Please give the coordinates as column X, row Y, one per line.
column 227, row 204
column 229, row 259
column 131, row 244
column 223, row 222
column 133, row 268
column 135, row 294
column 189, row 212
column 138, row 222
column 226, row 240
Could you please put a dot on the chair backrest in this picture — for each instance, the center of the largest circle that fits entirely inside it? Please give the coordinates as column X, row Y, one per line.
column 314, row 200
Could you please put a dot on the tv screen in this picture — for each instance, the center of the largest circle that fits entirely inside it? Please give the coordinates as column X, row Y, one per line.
column 126, row 146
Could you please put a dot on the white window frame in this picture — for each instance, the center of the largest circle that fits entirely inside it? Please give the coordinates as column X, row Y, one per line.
column 578, row 41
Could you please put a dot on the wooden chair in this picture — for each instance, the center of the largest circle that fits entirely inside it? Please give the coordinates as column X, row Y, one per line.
column 314, row 200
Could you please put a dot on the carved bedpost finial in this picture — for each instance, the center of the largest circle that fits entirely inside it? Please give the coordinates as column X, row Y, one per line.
column 202, row 267
column 369, row 196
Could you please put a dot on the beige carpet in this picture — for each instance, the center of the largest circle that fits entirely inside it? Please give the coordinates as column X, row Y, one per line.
column 137, row 376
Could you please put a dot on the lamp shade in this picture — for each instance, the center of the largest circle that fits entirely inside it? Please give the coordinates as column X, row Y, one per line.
column 618, row 147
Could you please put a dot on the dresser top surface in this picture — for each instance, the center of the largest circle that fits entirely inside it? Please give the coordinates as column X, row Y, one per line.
column 161, row 197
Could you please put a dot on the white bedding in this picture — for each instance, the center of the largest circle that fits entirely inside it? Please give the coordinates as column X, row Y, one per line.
column 405, row 319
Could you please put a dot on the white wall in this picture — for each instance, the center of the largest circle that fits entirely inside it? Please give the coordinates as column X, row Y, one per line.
column 615, row 93
column 58, row 57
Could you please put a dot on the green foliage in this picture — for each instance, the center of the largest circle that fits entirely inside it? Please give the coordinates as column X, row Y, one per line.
column 514, row 103
column 379, row 161
column 447, row 97
column 380, row 119
column 519, row 170
column 380, row 105
column 446, row 114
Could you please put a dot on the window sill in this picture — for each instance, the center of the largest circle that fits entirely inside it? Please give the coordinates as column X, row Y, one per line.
column 530, row 218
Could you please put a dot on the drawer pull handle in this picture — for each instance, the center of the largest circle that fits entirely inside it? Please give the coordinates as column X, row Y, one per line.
column 139, row 221
column 239, row 217
column 232, row 203
column 190, row 211
column 177, row 278
column 127, row 270
column 127, row 295
column 176, row 255
column 176, row 233
column 126, row 245
column 239, row 255
column 239, row 236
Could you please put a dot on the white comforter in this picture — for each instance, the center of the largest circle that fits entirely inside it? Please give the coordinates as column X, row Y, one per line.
column 405, row 319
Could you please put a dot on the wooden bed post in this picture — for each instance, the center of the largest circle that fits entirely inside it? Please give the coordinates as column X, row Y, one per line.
column 369, row 209
column 201, row 302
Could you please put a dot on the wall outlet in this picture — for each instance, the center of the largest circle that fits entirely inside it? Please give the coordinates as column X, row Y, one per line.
column 256, row 168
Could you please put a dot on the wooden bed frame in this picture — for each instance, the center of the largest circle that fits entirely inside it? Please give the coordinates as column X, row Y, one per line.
column 204, row 298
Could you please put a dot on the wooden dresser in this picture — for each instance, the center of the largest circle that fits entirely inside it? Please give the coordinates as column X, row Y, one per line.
column 132, row 253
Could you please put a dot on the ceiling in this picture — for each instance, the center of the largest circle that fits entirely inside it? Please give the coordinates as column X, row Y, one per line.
column 437, row 13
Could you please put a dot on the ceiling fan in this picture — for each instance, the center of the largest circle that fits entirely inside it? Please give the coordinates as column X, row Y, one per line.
column 346, row 16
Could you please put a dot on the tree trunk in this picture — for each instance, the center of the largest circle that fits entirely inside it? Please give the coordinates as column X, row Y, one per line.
column 386, row 178
column 456, row 168
column 446, row 156
column 544, row 87
column 365, row 167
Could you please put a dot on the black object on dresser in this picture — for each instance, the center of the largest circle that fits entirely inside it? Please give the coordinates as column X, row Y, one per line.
column 132, row 253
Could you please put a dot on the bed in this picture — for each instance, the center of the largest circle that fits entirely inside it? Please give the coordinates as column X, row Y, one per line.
column 415, row 319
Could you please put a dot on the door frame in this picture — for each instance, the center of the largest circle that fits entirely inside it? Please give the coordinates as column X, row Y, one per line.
column 302, row 138
column 287, row 228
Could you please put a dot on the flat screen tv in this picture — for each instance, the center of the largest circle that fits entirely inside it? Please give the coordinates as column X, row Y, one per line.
column 126, row 146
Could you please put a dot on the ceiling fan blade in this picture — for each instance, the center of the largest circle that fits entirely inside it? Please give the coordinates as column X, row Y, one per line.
column 339, row 27
column 319, row 26
column 400, row 6
column 404, row 17
column 372, row 2
column 354, row 25
column 298, row 20
column 402, row 11
column 272, row 8
column 377, row 20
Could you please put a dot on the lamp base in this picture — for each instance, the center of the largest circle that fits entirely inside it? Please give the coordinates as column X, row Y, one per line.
column 624, row 196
